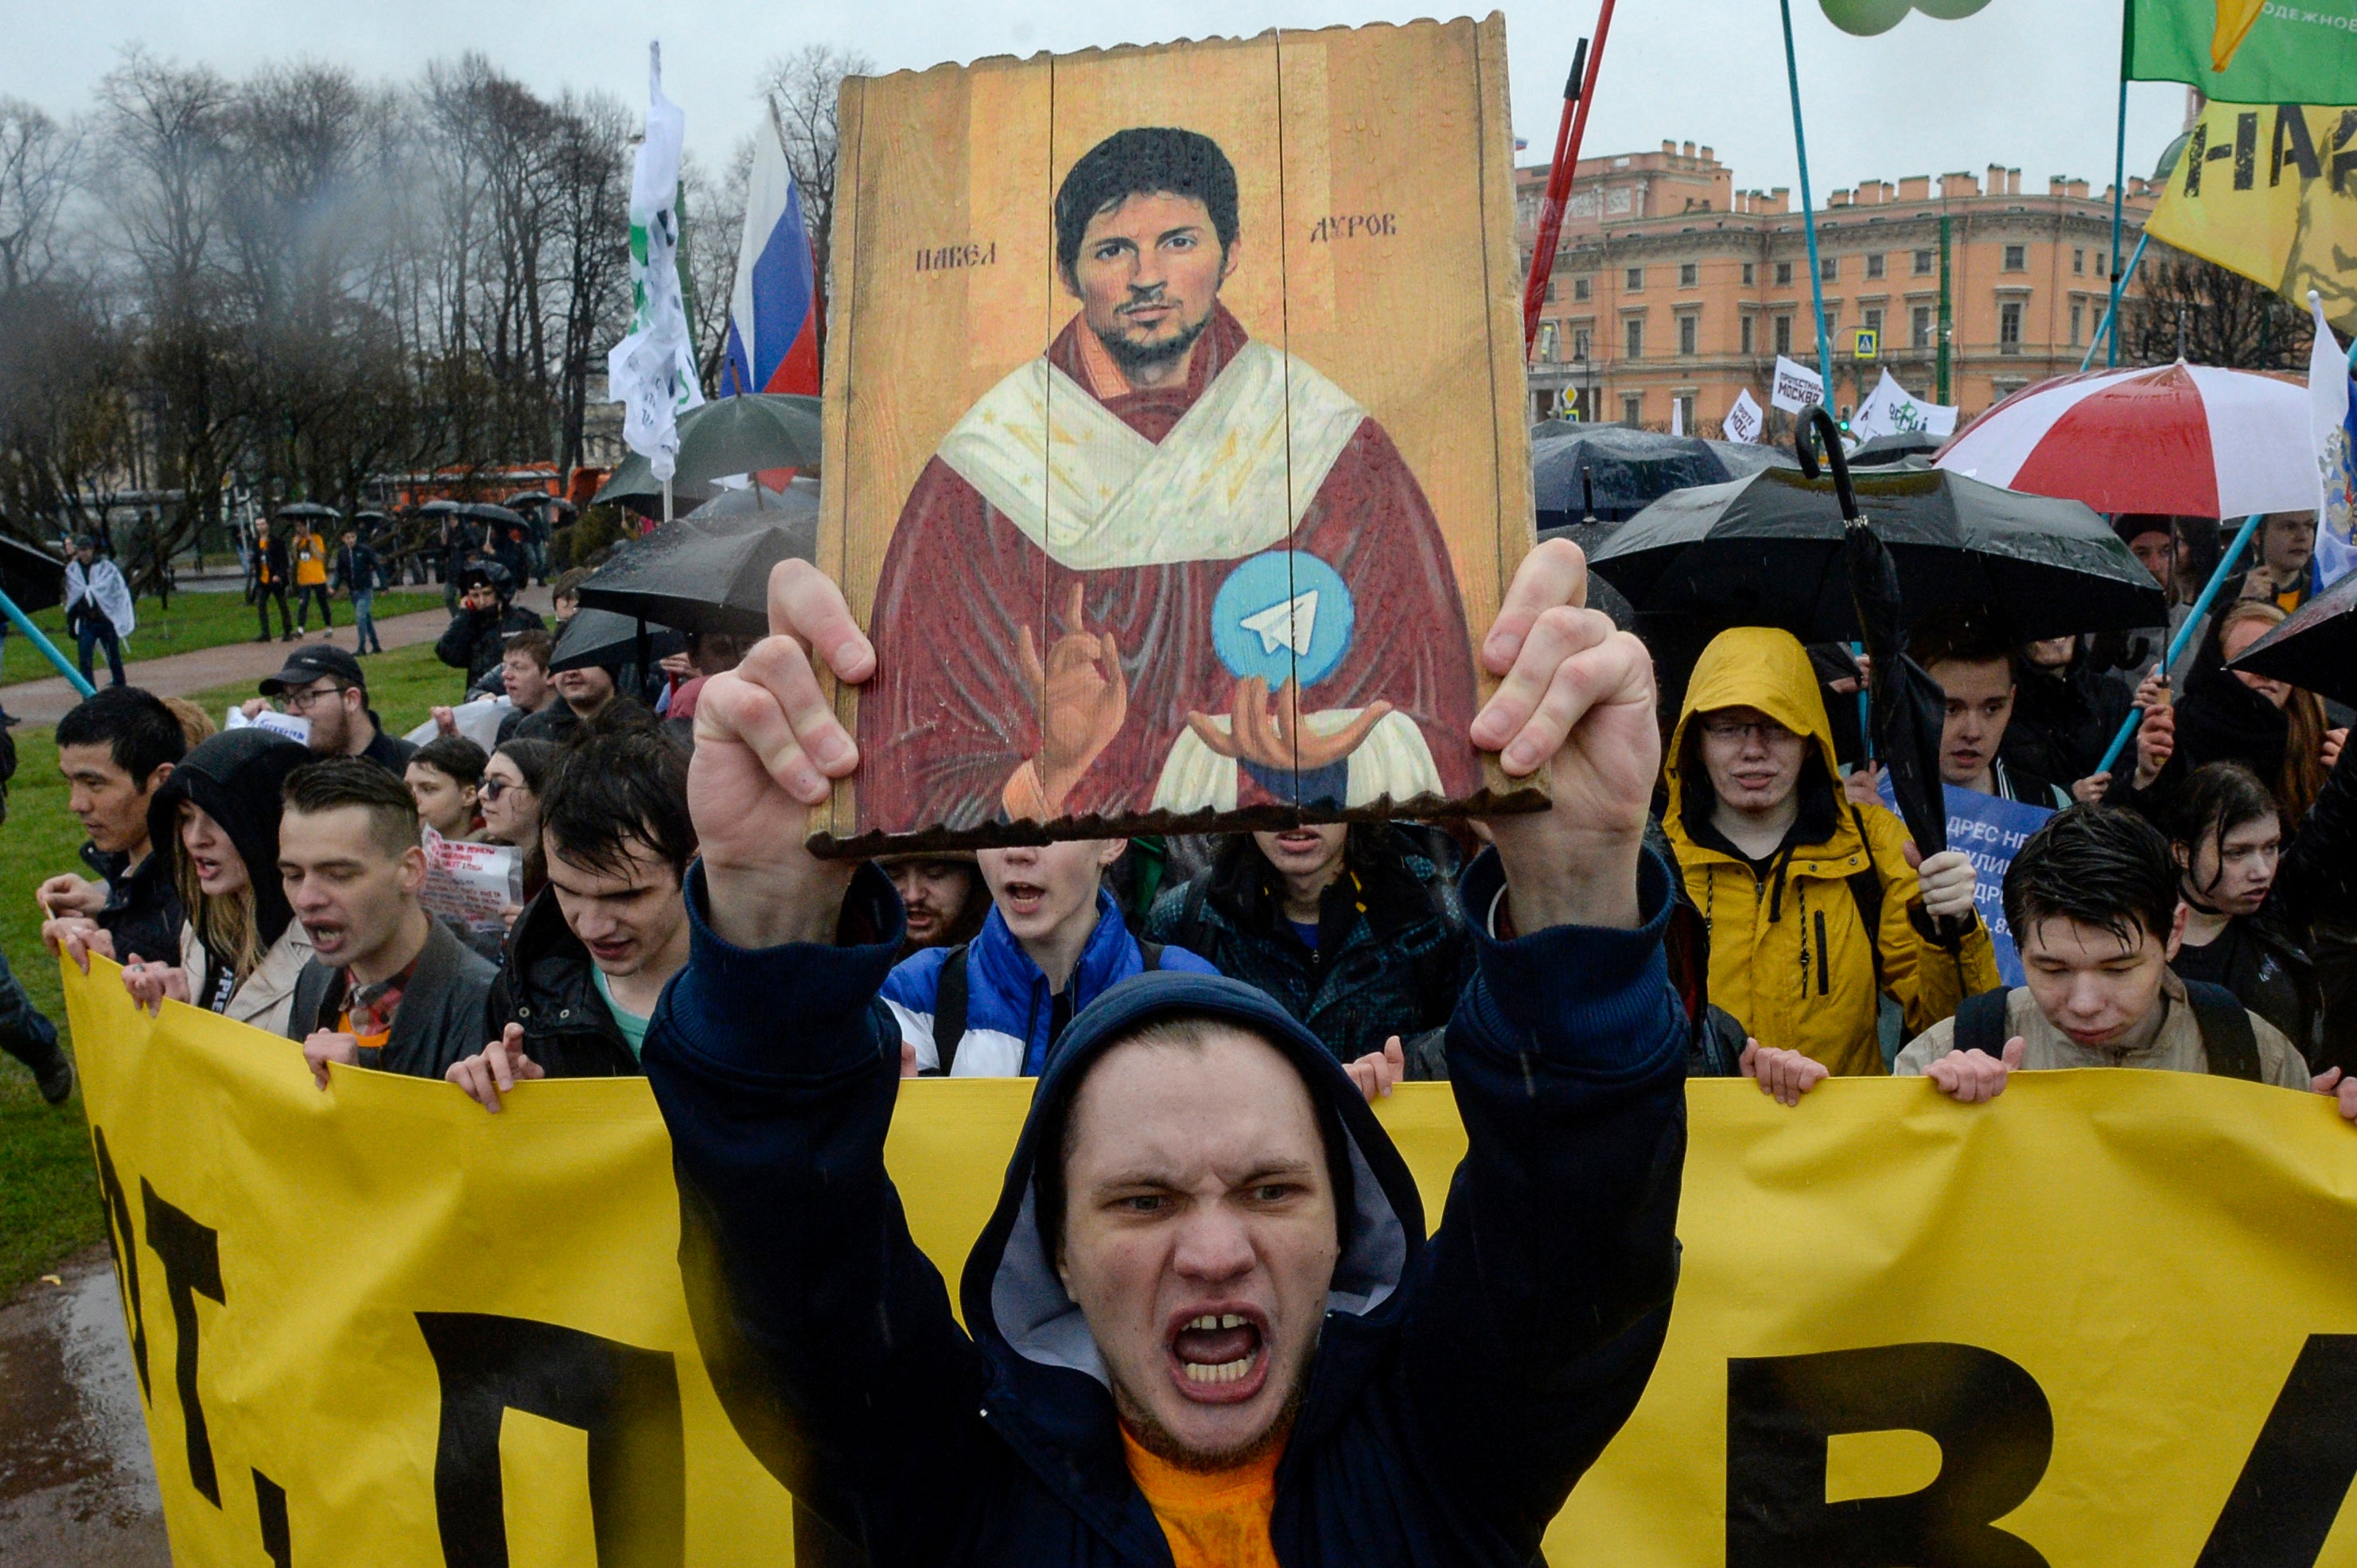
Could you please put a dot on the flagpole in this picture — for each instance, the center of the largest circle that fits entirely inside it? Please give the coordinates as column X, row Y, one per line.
column 2110, row 327
column 1808, row 205
column 1559, row 177
column 2120, row 190
column 2226, row 565
column 24, row 623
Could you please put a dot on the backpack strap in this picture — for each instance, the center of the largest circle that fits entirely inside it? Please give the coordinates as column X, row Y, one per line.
column 949, row 1010
column 1980, row 1023
column 1865, row 891
column 1151, row 953
column 2228, row 1040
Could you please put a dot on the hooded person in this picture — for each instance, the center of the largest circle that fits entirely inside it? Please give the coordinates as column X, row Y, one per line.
column 1810, row 925
column 1204, row 1324
column 242, row 949
column 487, row 616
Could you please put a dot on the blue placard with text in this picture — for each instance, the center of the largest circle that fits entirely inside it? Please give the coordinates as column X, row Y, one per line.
column 1988, row 830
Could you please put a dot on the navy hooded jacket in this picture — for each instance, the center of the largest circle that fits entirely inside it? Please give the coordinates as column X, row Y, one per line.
column 1460, row 1387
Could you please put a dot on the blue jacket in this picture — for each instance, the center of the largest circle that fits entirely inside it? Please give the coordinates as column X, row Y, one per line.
column 1010, row 1012
column 1461, row 1387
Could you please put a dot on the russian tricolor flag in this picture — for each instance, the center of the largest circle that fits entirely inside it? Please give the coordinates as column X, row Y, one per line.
column 773, row 316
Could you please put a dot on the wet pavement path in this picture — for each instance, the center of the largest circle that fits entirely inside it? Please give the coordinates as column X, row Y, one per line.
column 77, row 1482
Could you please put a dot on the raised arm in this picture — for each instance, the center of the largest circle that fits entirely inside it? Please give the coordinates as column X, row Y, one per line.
column 1548, row 1287
column 828, row 1333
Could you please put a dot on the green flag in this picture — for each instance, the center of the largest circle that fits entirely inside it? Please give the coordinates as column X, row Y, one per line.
column 2247, row 51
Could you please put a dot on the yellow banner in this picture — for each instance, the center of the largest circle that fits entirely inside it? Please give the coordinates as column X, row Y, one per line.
column 2269, row 190
column 2110, row 1319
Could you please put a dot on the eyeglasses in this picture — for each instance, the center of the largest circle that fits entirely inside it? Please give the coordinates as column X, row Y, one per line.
column 494, row 786
column 1761, row 730
column 296, row 702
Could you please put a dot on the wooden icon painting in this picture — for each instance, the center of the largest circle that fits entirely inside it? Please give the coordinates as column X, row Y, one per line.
column 1174, row 442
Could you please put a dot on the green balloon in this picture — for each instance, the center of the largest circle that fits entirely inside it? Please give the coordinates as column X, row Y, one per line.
column 1867, row 17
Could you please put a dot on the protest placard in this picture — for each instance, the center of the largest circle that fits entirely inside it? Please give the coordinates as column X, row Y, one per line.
column 1795, row 386
column 1744, row 420
column 294, row 726
column 1208, row 564
column 470, row 882
column 1988, row 830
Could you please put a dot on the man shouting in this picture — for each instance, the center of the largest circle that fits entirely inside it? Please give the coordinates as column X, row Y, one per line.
column 1205, row 1323
column 1164, row 566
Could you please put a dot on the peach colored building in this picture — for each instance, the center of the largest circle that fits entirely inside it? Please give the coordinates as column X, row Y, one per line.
column 1670, row 284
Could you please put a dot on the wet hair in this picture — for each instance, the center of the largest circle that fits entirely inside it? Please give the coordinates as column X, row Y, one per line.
column 612, row 790
column 2215, row 799
column 532, row 757
column 533, row 644
column 340, row 781
column 2299, row 778
column 1146, row 160
column 2098, row 865
column 454, row 755
column 140, row 733
column 1180, row 1032
column 195, row 723
column 568, row 585
column 1958, row 633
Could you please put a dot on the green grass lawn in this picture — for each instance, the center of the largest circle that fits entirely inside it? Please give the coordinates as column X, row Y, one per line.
column 48, row 1201
column 194, row 621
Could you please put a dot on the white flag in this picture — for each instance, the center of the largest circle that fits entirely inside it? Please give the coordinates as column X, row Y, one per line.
column 1890, row 409
column 1744, row 420
column 653, row 371
column 1677, row 416
column 2332, row 424
column 1795, row 386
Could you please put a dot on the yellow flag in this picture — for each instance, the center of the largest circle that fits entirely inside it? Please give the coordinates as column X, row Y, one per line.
column 2106, row 1320
column 2270, row 191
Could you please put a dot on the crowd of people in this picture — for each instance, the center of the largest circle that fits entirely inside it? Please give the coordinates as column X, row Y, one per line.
column 1749, row 908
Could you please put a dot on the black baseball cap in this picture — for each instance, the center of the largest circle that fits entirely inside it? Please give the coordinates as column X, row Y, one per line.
column 307, row 663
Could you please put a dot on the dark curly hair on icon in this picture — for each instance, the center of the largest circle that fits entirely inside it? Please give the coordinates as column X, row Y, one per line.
column 1145, row 160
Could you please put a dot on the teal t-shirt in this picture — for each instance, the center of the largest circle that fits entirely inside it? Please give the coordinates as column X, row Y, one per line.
column 632, row 1024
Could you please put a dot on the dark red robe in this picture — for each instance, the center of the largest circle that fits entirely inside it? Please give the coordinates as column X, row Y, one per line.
column 950, row 715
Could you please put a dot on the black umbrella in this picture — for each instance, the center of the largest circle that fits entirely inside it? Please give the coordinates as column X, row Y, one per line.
column 438, row 508
column 1744, row 458
column 483, row 511
column 634, row 485
column 1769, row 550
column 523, row 499
column 760, row 503
column 1628, row 467
column 730, row 436
column 1894, row 447
column 308, row 509
column 1601, row 594
column 1906, row 705
column 703, row 576
column 2315, row 649
column 35, row 579
column 603, row 638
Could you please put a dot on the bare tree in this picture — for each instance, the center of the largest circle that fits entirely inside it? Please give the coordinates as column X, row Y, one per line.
column 38, row 161
column 708, row 249
column 2187, row 308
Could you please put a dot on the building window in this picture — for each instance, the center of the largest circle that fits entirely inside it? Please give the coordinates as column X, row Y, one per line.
column 1785, row 273
column 1749, row 274
column 1689, row 274
column 1632, row 409
column 1829, row 269
column 1547, row 335
column 1635, row 281
column 2017, row 258
column 1634, row 334
column 1784, row 335
column 1580, row 344
column 1550, row 292
column 1922, row 263
column 1745, row 331
column 1579, row 287
column 1873, row 323
column 1689, row 334
column 2008, row 328
column 2099, row 263
column 2078, row 314
column 1686, row 401
column 2079, row 261
column 1921, row 325
column 1874, row 266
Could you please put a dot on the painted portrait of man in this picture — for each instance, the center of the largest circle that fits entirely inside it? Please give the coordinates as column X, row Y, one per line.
column 1165, row 567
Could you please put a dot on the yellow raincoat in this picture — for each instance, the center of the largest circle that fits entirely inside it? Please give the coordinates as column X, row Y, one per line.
column 1789, row 950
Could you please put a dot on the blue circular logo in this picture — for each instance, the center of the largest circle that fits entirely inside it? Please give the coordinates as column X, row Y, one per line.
column 1282, row 616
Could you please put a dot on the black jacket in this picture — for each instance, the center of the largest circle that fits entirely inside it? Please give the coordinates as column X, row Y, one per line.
column 440, row 1018
column 356, row 569
column 2062, row 724
column 1393, row 951
column 476, row 640
column 276, row 574
column 548, row 984
column 142, row 911
column 1460, row 1386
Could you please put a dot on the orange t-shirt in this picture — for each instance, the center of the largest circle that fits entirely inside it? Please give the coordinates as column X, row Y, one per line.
column 1214, row 1521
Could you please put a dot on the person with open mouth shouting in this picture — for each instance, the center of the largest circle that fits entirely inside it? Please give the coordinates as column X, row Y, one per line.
column 1205, row 1324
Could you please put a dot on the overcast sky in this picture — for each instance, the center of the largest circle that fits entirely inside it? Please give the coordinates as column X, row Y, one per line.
column 2027, row 83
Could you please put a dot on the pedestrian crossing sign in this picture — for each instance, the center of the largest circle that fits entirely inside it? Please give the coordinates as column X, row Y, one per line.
column 1867, row 344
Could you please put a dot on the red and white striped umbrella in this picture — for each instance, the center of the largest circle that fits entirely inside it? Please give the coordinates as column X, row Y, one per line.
column 2188, row 439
